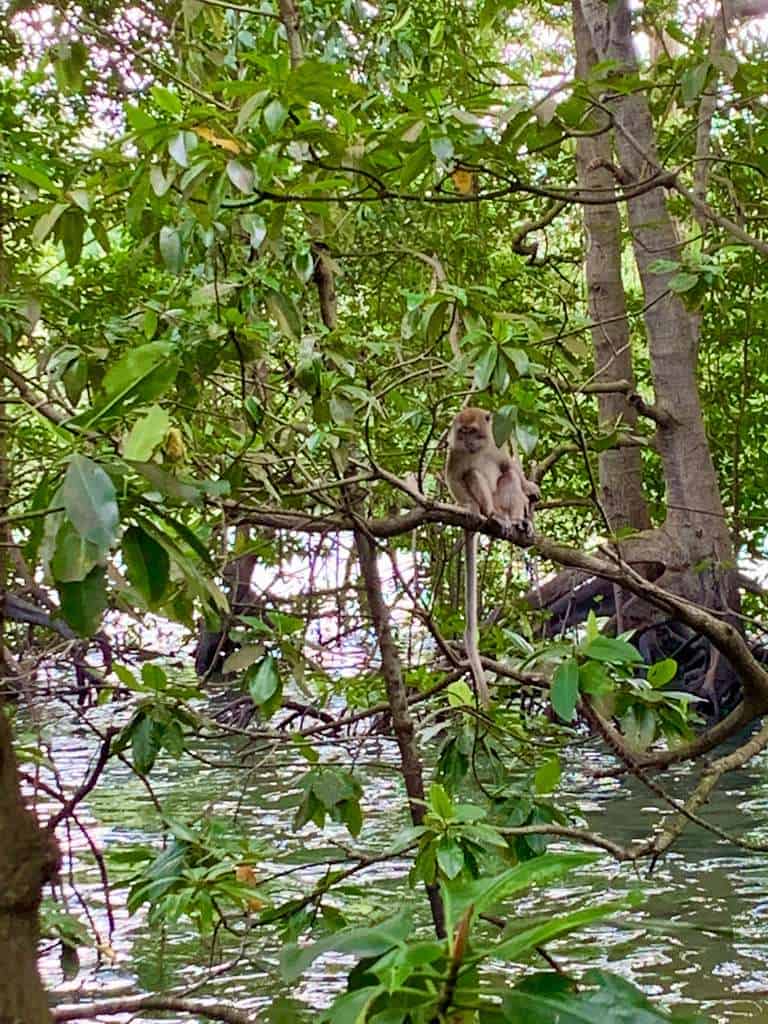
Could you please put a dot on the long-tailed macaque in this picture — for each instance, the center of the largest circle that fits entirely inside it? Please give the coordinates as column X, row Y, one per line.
column 489, row 481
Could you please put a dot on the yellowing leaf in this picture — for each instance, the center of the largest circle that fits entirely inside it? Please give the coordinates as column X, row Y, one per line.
column 230, row 145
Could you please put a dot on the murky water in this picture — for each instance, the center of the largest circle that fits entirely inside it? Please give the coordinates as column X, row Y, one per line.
column 667, row 947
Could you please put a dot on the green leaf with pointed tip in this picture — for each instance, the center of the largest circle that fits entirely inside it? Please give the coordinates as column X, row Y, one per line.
column 450, row 858
column 241, row 176
column 608, row 648
column 485, row 366
column 83, row 603
column 415, row 165
column 565, row 689
column 662, row 672
column 146, row 434
column 89, row 499
column 147, row 564
column 530, row 938
column 275, row 114
column 169, row 241
column 262, row 680
column 484, row 893
column 361, row 942
column 527, row 435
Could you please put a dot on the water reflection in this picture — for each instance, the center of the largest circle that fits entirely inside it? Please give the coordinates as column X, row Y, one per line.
column 706, row 950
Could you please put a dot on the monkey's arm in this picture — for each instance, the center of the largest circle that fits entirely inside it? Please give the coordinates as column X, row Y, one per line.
column 509, row 500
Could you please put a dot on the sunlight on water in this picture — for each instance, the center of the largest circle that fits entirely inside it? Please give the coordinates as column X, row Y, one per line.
column 667, row 947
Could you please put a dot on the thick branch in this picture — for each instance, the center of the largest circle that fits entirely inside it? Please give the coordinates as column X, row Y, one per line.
column 30, row 396
column 134, row 1004
column 724, row 637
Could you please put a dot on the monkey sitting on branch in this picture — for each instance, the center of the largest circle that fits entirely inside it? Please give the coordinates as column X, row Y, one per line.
column 489, row 481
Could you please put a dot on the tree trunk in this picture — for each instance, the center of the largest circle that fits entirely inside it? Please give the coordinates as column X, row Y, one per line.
column 402, row 723
column 620, row 469
column 699, row 555
column 28, row 859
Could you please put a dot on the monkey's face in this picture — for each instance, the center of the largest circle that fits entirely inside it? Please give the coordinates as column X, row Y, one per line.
column 472, row 430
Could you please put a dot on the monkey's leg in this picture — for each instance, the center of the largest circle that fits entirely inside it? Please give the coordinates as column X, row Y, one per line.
column 479, row 491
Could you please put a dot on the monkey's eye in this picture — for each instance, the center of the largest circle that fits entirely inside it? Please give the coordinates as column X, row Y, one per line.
column 487, row 417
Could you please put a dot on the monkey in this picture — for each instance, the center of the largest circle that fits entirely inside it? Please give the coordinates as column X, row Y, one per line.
column 490, row 482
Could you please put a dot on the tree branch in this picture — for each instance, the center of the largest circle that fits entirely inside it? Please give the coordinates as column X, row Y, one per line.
column 134, row 1004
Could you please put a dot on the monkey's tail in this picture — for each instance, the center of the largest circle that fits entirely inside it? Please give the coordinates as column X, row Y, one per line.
column 471, row 633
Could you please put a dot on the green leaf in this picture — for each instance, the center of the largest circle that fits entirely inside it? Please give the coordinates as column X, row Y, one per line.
column 565, row 689
column 254, row 410
column 142, row 373
column 256, row 228
column 74, row 556
column 485, row 366
column 450, row 857
column 145, row 742
column 70, row 230
column 485, row 893
column 440, row 802
column 146, row 434
column 160, row 181
column 249, row 108
column 683, row 282
column 662, row 672
column 274, row 116
column 32, row 174
column 352, row 1007
column 166, row 100
column 527, row 435
column 83, row 603
column 530, row 938
column 185, row 492
column 89, row 499
column 442, row 149
column 693, row 81
column 593, row 679
column 362, row 942
column 46, row 223
column 519, row 359
column 303, row 265
column 147, row 564
column 262, row 680
column 606, row 648
column 284, row 311
column 547, row 776
column 177, row 149
column 139, row 120
column 415, row 165
column 639, row 726
column 171, row 250
column 242, row 177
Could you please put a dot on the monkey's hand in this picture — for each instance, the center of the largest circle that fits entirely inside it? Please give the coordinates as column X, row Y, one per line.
column 531, row 491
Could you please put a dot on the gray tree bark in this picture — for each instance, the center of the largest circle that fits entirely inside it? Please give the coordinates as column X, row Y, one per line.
column 621, row 468
column 699, row 553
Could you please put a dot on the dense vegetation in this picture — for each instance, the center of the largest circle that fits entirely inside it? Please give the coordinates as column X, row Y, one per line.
column 253, row 261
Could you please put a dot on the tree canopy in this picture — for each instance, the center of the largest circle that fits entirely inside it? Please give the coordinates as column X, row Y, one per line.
column 254, row 258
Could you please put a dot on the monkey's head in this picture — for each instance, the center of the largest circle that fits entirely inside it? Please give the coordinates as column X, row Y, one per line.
column 471, row 430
